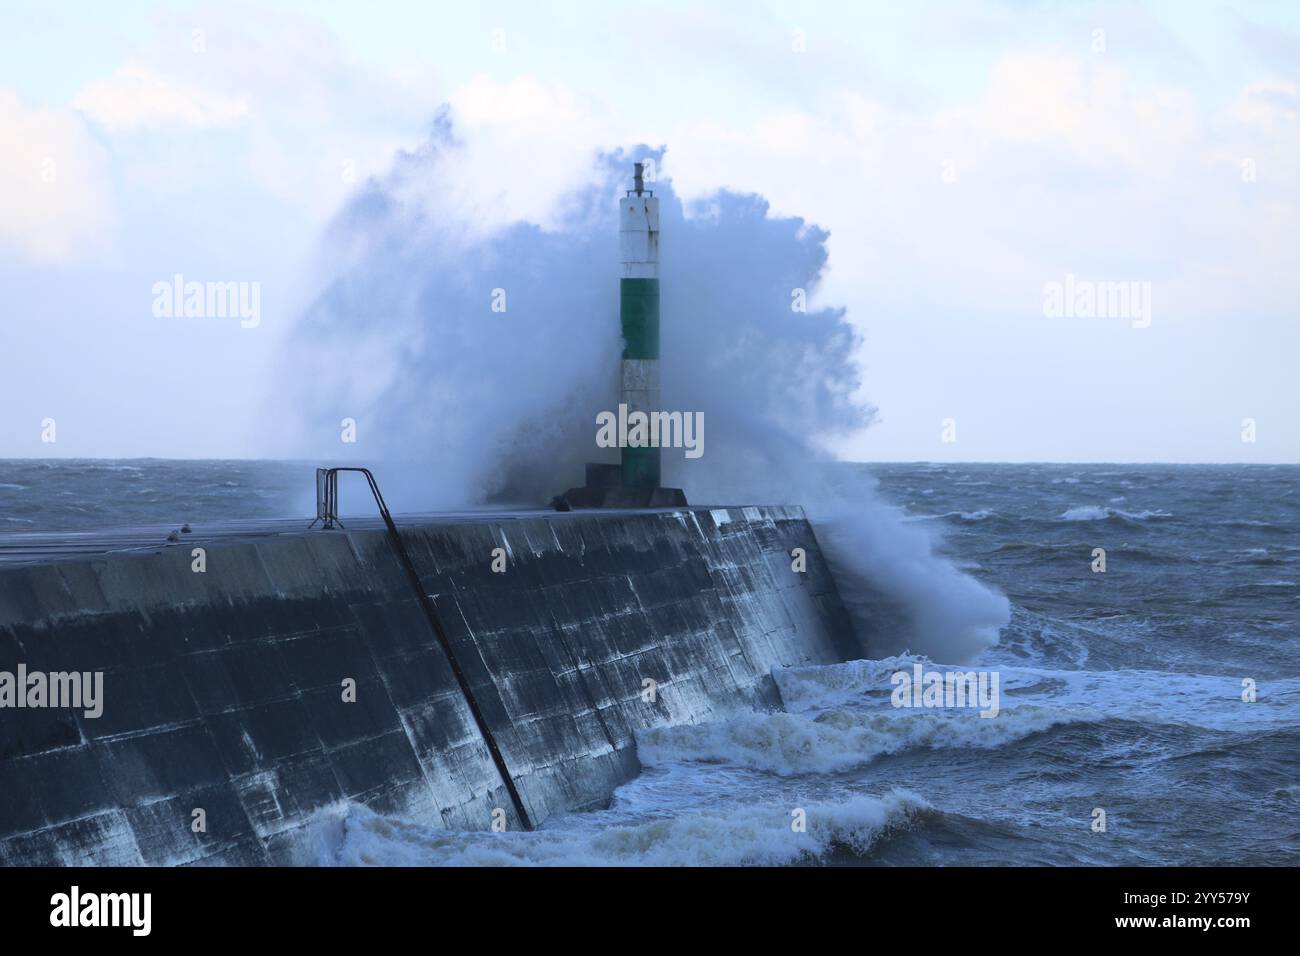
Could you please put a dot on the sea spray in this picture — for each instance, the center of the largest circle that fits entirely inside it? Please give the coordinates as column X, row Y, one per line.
column 484, row 349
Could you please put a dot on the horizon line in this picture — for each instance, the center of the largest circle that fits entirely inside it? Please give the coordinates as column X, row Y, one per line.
column 837, row 461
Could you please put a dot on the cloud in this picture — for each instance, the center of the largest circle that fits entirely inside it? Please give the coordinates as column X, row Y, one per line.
column 269, row 102
column 137, row 96
column 1273, row 44
column 1059, row 163
column 1271, row 105
column 55, row 204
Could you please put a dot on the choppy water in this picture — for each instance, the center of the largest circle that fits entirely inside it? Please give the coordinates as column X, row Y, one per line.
column 82, row 494
column 1120, row 691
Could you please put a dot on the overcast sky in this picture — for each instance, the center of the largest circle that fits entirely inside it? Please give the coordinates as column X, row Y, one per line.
column 962, row 156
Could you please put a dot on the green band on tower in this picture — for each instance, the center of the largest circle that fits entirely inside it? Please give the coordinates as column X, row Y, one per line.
column 639, row 313
column 639, row 316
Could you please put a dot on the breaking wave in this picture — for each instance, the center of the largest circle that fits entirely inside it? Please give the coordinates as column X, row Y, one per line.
column 1101, row 513
column 838, row 739
column 840, row 716
column 759, row 835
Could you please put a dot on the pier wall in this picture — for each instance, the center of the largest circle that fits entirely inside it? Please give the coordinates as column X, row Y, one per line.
column 223, row 690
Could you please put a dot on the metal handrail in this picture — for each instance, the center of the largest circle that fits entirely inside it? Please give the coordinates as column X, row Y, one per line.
column 327, row 498
column 327, row 506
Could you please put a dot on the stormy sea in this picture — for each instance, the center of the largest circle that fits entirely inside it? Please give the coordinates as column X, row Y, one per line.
column 1149, row 705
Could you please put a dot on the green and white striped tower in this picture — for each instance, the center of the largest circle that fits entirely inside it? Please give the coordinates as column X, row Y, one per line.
column 638, row 310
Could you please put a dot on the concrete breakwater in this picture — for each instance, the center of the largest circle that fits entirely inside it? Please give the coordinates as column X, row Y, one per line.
column 296, row 672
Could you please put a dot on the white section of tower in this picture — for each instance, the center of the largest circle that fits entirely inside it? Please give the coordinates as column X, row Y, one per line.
column 638, row 236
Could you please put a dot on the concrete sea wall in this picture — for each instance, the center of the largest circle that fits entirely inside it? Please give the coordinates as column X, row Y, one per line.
column 223, row 691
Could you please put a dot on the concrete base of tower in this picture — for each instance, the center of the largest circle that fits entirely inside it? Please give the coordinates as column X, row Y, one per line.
column 605, row 489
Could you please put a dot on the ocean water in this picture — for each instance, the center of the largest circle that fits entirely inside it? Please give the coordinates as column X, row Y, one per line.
column 84, row 494
column 1119, row 691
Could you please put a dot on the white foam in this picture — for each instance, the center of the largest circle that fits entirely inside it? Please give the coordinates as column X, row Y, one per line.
column 823, row 686
column 744, row 835
column 1100, row 513
column 1212, row 702
column 840, row 716
column 838, row 739
column 979, row 515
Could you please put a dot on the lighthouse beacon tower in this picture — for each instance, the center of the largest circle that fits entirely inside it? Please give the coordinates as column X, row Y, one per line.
column 634, row 481
column 638, row 310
